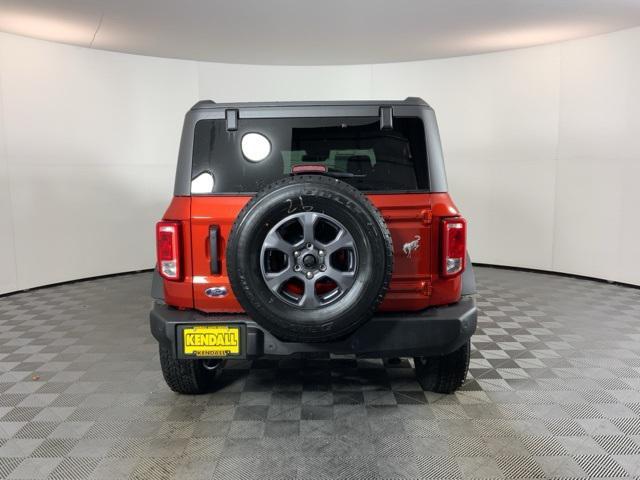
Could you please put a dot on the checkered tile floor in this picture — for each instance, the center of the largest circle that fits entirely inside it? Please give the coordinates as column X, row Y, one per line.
column 554, row 391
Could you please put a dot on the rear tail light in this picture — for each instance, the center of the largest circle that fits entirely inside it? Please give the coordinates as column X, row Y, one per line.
column 454, row 239
column 168, row 247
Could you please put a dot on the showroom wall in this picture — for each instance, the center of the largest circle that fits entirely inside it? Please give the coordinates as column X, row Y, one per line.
column 542, row 149
column 90, row 147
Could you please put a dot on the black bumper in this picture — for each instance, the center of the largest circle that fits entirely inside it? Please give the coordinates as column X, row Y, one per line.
column 434, row 331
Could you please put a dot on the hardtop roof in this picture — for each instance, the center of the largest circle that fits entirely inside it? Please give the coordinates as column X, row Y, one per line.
column 409, row 101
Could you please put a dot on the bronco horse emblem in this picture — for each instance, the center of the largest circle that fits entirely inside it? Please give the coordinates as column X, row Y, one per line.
column 409, row 247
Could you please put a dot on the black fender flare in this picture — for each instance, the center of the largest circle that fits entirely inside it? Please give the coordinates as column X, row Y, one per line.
column 157, row 286
column 468, row 278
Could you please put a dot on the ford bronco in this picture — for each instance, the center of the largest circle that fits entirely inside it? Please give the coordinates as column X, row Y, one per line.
column 312, row 227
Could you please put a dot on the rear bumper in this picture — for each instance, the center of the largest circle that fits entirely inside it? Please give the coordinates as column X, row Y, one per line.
column 434, row 331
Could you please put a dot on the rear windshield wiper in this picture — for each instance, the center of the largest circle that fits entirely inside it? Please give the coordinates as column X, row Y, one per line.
column 338, row 174
column 319, row 168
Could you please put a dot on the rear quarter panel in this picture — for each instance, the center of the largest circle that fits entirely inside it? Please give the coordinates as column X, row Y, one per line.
column 180, row 294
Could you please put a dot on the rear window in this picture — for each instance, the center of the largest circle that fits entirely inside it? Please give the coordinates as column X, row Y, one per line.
column 353, row 149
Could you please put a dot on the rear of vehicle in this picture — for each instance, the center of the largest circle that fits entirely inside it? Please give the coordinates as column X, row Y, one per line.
column 309, row 227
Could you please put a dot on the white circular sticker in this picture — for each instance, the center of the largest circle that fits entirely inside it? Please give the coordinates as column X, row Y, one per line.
column 255, row 147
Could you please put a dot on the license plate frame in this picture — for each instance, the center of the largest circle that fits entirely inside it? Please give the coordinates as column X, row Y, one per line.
column 211, row 351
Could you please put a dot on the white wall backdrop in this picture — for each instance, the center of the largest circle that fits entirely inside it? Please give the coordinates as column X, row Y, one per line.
column 91, row 142
column 542, row 148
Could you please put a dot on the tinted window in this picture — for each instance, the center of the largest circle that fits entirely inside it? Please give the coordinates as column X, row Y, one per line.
column 353, row 149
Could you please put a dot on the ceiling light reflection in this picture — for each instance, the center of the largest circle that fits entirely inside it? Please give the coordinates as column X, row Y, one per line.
column 527, row 37
column 47, row 27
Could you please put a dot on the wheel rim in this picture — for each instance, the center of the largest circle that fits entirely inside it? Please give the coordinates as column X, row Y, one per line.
column 309, row 260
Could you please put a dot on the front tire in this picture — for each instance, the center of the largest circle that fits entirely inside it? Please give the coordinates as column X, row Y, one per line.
column 446, row 373
column 187, row 376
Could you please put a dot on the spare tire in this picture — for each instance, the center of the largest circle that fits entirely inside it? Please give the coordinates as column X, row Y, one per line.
column 309, row 258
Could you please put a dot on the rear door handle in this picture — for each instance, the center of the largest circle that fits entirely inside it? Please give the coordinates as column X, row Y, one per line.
column 213, row 248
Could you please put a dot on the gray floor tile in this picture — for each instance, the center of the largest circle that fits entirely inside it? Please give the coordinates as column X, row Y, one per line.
column 553, row 392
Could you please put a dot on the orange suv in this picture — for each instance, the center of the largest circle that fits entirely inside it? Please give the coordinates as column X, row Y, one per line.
column 306, row 227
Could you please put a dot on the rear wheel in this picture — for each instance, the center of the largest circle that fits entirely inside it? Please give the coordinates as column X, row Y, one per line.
column 446, row 373
column 189, row 376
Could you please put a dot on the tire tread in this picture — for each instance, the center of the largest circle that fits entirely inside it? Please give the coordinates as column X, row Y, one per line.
column 446, row 373
column 183, row 376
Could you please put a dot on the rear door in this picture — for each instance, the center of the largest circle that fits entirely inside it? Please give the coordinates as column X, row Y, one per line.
column 389, row 164
column 408, row 217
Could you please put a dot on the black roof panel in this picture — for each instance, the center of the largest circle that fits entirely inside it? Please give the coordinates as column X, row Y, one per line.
column 210, row 104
